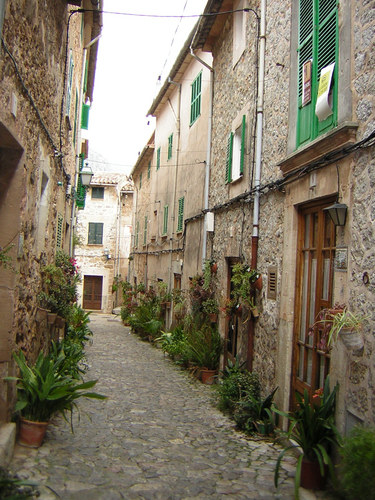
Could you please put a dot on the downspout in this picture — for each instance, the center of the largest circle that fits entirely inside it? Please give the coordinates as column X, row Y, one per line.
column 258, row 163
column 208, row 156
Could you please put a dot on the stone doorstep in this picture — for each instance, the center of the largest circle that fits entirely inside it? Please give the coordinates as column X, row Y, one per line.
column 7, row 440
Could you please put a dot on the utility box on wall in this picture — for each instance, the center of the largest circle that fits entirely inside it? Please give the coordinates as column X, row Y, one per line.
column 210, row 222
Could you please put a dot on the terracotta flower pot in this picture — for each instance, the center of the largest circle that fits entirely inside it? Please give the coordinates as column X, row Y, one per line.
column 41, row 314
column 51, row 318
column 60, row 322
column 31, row 433
column 352, row 340
column 214, row 268
column 213, row 317
column 258, row 283
column 208, row 376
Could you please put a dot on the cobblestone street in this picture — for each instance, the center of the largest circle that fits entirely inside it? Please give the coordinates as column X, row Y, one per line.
column 158, row 436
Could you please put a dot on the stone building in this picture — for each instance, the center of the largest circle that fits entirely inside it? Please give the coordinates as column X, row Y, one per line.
column 103, row 240
column 47, row 68
column 293, row 133
column 170, row 177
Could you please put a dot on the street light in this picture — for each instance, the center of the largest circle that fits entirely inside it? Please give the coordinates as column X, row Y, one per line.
column 337, row 212
column 86, row 173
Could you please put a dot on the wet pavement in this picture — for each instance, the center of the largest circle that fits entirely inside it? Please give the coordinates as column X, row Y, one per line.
column 158, row 436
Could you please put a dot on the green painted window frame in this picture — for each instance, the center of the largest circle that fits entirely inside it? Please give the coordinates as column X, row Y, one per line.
column 149, row 170
column 85, row 116
column 145, row 231
column 95, row 233
column 158, row 153
column 170, row 146
column 229, row 155
column 75, row 119
column 318, row 40
column 165, row 220
column 180, row 216
column 59, row 230
column 136, row 234
column 70, row 83
column 196, row 95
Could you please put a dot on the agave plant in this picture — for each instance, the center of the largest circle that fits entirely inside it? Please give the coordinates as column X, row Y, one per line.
column 43, row 389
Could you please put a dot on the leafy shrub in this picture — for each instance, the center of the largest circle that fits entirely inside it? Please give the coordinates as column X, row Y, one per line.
column 358, row 464
column 176, row 345
column 78, row 329
column 206, row 346
column 145, row 321
column 236, row 386
column 254, row 414
column 12, row 488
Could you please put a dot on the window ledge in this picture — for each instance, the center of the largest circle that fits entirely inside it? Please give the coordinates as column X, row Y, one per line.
column 341, row 136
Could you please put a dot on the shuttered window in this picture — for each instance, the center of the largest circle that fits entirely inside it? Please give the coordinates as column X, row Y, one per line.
column 195, row 104
column 235, row 160
column 80, row 190
column 318, row 43
column 170, row 146
column 59, row 231
column 149, row 170
column 165, row 220
column 70, row 83
column 145, row 231
column 137, row 234
column 180, row 219
column 85, row 116
column 95, row 233
column 140, row 180
column 158, row 159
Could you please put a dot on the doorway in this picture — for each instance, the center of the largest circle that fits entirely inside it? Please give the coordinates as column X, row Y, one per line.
column 314, row 285
column 92, row 292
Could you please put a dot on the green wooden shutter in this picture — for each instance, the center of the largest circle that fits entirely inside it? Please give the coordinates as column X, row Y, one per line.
column 70, row 83
column 243, row 138
column 149, row 170
column 195, row 103
column 59, row 231
column 228, row 171
column 140, row 180
column 318, row 41
column 170, row 146
column 180, row 219
column 158, row 159
column 80, row 190
column 145, row 231
column 165, row 220
column 136, row 234
column 75, row 119
column 85, row 116
column 99, row 233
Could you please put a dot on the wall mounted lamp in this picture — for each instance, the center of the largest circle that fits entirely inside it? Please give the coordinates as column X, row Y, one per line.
column 337, row 212
column 86, row 173
column 84, row 180
column 107, row 254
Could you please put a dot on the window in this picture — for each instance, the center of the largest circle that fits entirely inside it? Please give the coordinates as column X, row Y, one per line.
column 2, row 12
column 137, row 234
column 180, row 219
column 140, row 180
column 195, row 105
column 95, row 233
column 239, row 30
column 170, row 146
column 149, row 170
column 165, row 220
column 317, row 50
column 85, row 116
column 59, row 231
column 236, row 153
column 97, row 193
column 158, row 159
column 70, row 83
column 145, row 231
column 75, row 119
column 81, row 190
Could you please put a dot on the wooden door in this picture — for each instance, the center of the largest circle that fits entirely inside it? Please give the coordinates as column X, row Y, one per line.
column 92, row 292
column 232, row 327
column 315, row 260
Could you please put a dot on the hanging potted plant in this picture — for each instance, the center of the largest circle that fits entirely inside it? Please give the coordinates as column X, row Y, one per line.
column 312, row 429
column 211, row 308
column 339, row 322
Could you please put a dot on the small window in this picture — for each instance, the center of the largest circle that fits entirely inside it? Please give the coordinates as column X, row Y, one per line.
column 236, row 153
column 59, row 231
column 95, row 233
column 239, row 30
column 97, row 193
column 165, row 220
column 180, row 220
column 140, row 180
column 170, row 146
column 145, row 231
column 195, row 104
column 158, row 159
column 149, row 170
column 136, row 235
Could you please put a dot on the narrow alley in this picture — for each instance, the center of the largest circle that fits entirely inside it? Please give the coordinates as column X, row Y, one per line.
column 158, row 436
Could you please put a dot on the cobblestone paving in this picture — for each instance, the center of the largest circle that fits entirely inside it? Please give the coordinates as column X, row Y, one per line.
column 158, row 436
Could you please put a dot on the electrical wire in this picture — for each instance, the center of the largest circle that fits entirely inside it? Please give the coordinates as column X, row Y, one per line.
column 165, row 16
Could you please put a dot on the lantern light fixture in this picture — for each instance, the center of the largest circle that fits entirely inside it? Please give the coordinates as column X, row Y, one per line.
column 338, row 212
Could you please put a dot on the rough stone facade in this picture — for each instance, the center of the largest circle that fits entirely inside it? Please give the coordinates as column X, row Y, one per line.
column 109, row 258
column 39, row 141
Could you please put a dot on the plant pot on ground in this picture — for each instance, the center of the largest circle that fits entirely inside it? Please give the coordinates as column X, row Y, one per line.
column 312, row 429
column 43, row 390
column 206, row 347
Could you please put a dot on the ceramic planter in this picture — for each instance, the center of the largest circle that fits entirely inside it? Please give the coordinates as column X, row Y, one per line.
column 311, row 478
column 352, row 340
column 31, row 434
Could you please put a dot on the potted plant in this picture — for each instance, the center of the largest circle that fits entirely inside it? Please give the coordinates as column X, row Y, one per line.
column 206, row 346
column 339, row 321
column 254, row 413
column 312, row 430
column 43, row 390
column 242, row 279
column 210, row 307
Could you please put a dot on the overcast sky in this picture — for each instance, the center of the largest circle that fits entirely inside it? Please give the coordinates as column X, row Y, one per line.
column 133, row 53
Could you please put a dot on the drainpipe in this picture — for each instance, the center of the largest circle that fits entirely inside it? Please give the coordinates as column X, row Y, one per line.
column 208, row 156
column 258, row 162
